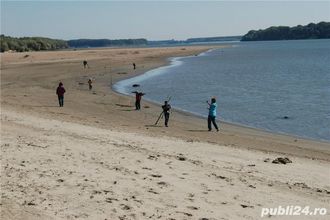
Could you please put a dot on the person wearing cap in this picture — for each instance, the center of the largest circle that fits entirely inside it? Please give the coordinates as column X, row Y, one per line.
column 60, row 94
column 212, row 114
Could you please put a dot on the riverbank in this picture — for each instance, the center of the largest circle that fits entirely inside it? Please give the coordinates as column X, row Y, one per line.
column 97, row 152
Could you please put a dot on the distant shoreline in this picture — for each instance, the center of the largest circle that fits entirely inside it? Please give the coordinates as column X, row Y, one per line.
column 320, row 30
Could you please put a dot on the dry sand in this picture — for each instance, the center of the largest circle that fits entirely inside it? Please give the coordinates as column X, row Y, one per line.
column 97, row 158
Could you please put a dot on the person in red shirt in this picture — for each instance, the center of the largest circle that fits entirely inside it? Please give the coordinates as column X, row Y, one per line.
column 60, row 94
column 138, row 97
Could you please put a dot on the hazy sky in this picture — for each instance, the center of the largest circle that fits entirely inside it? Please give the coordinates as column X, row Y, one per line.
column 153, row 20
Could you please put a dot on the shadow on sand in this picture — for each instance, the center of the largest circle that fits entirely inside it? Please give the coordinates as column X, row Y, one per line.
column 127, row 106
column 45, row 106
column 153, row 126
column 198, row 130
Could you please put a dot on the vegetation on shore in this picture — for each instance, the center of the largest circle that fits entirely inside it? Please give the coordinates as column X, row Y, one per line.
column 311, row 31
column 106, row 42
column 30, row 44
column 40, row 43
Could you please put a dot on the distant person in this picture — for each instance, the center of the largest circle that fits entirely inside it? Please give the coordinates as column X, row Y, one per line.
column 90, row 84
column 212, row 114
column 166, row 111
column 134, row 66
column 60, row 94
column 138, row 97
column 85, row 64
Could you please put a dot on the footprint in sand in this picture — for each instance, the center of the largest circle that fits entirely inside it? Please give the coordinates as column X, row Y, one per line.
column 185, row 213
column 221, row 177
column 151, row 190
column 152, row 157
column 246, row 206
column 96, row 192
column 110, row 200
column 156, row 175
column 191, row 196
column 192, row 207
column 122, row 217
column 163, row 184
column 208, row 218
column 181, row 157
column 31, row 203
column 322, row 191
column 125, row 207
column 136, row 200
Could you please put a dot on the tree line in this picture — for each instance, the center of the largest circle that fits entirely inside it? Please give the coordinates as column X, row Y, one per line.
column 311, row 31
column 106, row 42
column 320, row 30
column 30, row 44
column 40, row 43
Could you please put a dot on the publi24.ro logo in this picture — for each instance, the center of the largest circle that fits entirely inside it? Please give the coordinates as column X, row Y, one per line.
column 293, row 210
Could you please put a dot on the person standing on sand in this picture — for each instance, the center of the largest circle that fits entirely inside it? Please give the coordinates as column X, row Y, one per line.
column 138, row 97
column 60, row 94
column 166, row 110
column 90, row 84
column 134, row 66
column 85, row 64
column 212, row 114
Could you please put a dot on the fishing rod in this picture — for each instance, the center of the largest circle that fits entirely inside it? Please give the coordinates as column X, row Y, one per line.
column 162, row 113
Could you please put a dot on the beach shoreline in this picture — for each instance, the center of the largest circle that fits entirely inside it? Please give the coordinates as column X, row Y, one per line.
column 118, row 88
column 168, row 64
column 106, row 73
column 98, row 158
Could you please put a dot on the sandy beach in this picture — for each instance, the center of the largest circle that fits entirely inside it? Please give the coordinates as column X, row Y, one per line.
column 98, row 158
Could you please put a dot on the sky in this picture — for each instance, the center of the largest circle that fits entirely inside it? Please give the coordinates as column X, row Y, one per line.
column 153, row 20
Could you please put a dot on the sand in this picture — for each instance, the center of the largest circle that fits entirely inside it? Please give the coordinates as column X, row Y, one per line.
column 97, row 158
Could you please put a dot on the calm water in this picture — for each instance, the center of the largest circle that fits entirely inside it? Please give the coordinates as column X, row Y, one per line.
column 256, row 84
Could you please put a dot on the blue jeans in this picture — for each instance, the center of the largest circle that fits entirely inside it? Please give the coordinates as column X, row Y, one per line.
column 61, row 100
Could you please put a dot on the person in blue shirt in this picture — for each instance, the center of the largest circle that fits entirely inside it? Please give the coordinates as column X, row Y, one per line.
column 212, row 114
